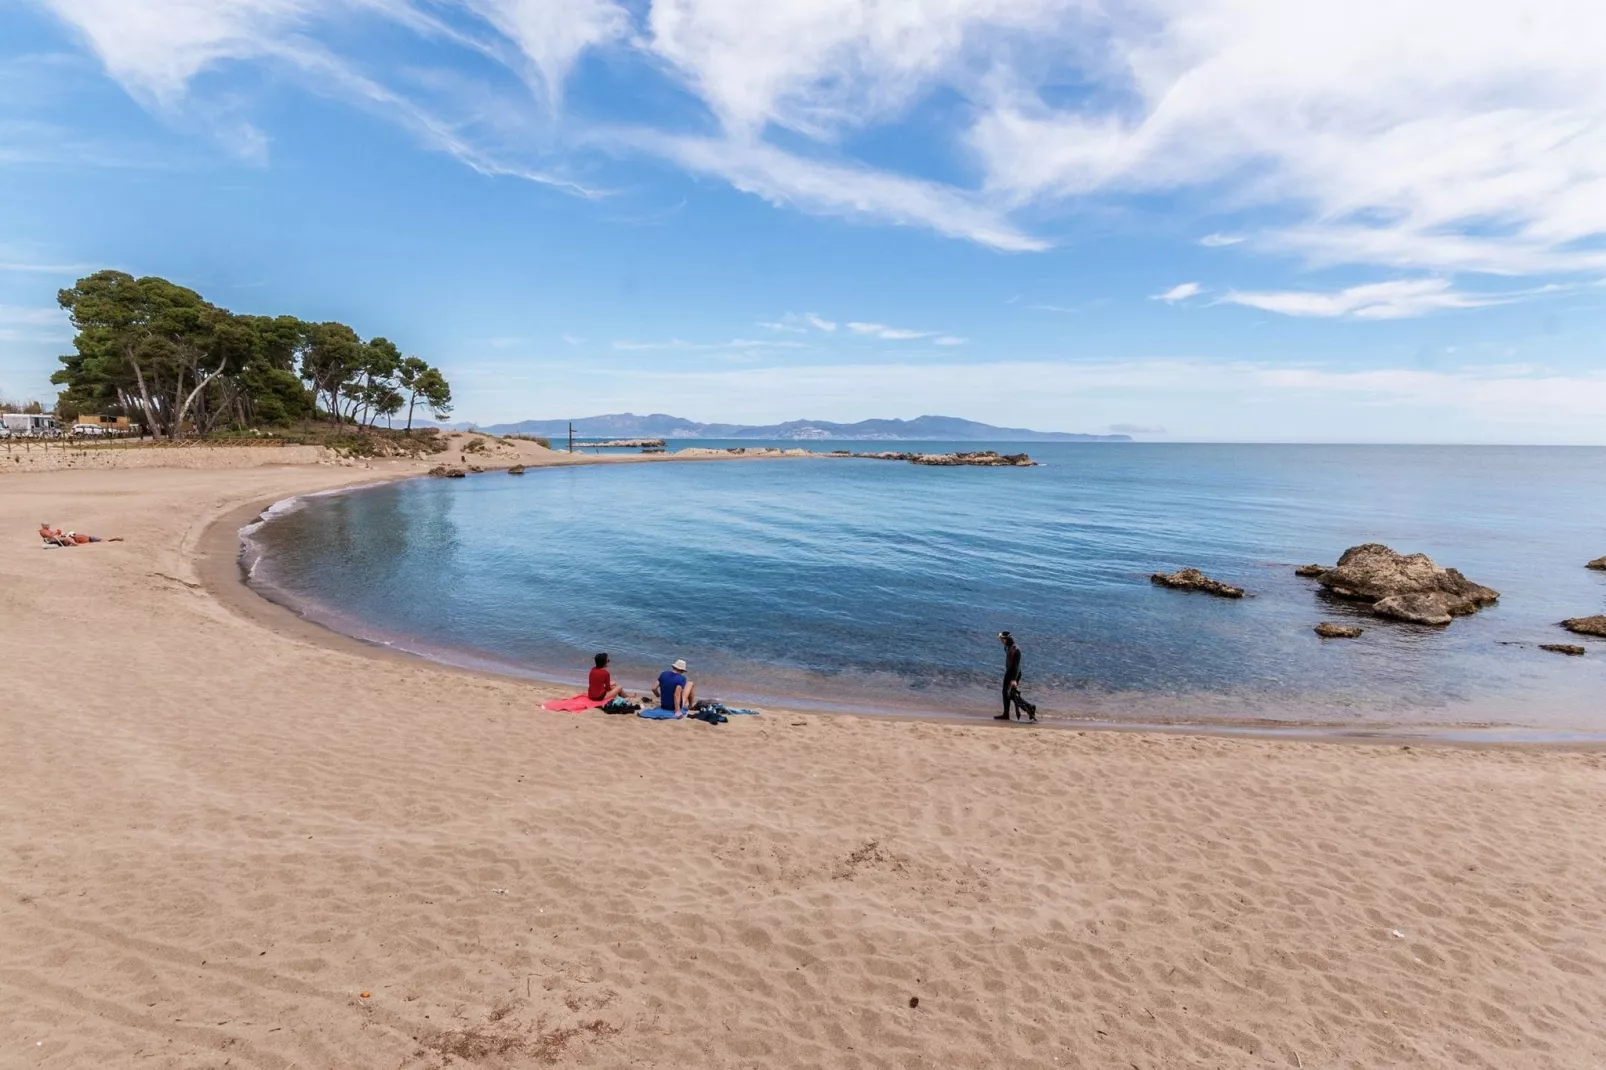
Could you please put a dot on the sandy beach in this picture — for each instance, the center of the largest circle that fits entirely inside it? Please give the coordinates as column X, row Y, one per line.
column 228, row 838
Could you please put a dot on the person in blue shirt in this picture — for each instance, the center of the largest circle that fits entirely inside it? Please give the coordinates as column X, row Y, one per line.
column 673, row 690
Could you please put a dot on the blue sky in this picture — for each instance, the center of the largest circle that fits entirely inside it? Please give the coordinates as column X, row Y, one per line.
column 1190, row 219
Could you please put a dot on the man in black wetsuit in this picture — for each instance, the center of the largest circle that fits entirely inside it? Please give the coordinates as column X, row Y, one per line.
column 1012, row 695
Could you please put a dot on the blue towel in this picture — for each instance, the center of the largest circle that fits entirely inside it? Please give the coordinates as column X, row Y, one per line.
column 654, row 713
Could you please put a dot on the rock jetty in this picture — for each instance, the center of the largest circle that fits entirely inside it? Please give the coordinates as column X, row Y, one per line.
column 1572, row 650
column 1337, row 631
column 1595, row 625
column 1191, row 579
column 1408, row 587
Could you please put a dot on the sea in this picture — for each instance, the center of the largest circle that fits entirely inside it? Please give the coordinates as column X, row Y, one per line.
column 880, row 587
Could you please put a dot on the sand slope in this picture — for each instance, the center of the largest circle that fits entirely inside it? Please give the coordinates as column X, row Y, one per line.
column 215, row 836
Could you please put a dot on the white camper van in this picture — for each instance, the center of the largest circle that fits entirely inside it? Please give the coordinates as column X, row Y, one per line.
column 30, row 423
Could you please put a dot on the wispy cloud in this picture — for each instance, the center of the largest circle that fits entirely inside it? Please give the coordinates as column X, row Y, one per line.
column 1219, row 241
column 1399, row 299
column 1352, row 142
column 890, row 334
column 1179, row 293
column 571, row 339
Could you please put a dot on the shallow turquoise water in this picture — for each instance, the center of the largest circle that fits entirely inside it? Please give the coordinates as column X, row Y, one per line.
column 859, row 584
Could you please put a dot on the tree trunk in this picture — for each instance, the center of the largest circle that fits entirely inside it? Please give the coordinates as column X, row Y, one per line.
column 151, row 420
column 412, row 399
column 200, row 386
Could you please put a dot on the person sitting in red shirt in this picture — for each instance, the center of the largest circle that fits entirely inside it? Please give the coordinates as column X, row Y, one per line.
column 602, row 688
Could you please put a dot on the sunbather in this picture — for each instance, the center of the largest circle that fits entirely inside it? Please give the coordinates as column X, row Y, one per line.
column 673, row 690
column 601, row 686
column 55, row 537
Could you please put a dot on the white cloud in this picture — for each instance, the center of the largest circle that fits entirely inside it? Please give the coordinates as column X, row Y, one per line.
column 1219, row 241
column 819, row 322
column 949, row 340
column 1431, row 135
column 843, row 189
column 1398, row 299
column 1180, row 292
column 889, row 334
column 789, row 328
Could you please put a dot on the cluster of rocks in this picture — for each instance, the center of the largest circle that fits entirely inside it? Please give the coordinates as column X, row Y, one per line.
column 977, row 459
column 1408, row 587
column 1191, row 579
column 447, row 471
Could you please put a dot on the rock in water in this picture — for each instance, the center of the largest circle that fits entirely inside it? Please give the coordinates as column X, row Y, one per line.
column 1337, row 631
column 516, row 470
column 447, row 472
column 1191, row 579
column 1595, row 625
column 1310, row 571
column 1407, row 587
column 1414, row 608
column 1599, row 564
column 1570, row 649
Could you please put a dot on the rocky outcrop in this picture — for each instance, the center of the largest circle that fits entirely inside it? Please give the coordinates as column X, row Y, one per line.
column 516, row 470
column 1310, row 571
column 1337, row 631
column 1595, row 625
column 1408, row 587
column 977, row 459
column 982, row 459
column 1599, row 564
column 446, row 471
column 1191, row 579
column 1572, row 650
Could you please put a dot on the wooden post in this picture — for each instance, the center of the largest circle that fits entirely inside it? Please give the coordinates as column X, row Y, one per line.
column 571, row 436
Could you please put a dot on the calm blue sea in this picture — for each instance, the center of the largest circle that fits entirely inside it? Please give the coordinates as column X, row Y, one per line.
column 882, row 585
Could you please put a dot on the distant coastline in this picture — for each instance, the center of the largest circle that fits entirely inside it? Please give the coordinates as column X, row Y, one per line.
column 663, row 426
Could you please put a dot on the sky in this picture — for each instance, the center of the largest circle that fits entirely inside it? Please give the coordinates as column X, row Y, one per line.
column 1185, row 220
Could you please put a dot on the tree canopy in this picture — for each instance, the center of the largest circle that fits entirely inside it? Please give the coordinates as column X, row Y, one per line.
column 174, row 362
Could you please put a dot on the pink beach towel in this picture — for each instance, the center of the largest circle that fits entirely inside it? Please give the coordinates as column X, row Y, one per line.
column 572, row 705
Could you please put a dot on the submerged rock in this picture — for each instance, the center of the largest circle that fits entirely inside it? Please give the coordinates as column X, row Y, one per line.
column 1337, row 631
column 1408, row 587
column 1572, row 650
column 1310, row 571
column 1191, row 579
column 1595, row 625
column 1599, row 564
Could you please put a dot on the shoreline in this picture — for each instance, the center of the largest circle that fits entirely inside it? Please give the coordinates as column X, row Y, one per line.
column 218, row 562
column 226, row 840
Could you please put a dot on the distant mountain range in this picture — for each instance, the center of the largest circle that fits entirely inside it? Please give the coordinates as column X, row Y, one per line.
column 920, row 429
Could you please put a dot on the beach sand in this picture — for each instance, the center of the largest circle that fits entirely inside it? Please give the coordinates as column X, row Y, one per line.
column 230, row 839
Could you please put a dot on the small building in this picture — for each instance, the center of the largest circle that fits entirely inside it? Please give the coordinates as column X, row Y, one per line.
column 30, row 423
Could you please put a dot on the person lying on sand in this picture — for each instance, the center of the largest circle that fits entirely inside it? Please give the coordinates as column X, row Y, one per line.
column 55, row 537
column 673, row 690
column 601, row 687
